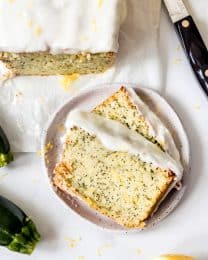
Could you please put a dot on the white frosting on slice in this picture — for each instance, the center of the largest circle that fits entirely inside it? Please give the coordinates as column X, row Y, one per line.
column 157, row 129
column 60, row 26
column 118, row 137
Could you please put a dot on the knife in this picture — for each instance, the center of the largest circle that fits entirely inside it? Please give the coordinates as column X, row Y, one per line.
column 191, row 40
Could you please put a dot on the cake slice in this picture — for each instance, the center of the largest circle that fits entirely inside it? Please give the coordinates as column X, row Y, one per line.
column 128, row 108
column 59, row 37
column 112, row 167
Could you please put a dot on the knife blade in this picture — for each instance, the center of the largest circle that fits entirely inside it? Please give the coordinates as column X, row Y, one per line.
column 191, row 40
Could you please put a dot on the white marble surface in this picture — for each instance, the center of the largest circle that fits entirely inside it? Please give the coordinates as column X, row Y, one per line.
column 184, row 231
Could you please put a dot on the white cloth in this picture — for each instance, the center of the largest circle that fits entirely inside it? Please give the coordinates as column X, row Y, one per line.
column 27, row 103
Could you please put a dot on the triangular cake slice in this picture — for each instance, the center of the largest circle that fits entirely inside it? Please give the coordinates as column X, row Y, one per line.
column 112, row 167
column 128, row 108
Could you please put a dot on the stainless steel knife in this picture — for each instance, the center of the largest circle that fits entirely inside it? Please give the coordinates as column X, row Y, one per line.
column 191, row 40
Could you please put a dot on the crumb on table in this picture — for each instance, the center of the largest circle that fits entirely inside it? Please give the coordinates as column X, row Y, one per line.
column 73, row 242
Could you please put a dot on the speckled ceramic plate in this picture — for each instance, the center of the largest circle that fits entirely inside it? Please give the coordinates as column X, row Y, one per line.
column 87, row 100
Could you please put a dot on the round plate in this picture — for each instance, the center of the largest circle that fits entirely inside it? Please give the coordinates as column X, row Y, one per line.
column 87, row 100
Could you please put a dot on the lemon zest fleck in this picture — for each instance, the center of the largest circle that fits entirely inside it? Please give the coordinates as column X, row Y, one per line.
column 94, row 24
column 100, row 250
column 30, row 22
column 177, row 61
column 138, row 252
column 80, row 258
column 68, row 80
column 73, row 242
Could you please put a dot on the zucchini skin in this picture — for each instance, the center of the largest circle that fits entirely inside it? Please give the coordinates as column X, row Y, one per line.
column 5, row 155
column 17, row 231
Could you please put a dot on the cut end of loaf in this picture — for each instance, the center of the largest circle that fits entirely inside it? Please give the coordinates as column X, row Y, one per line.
column 44, row 63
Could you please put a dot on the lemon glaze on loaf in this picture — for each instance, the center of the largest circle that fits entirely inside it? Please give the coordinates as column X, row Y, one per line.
column 59, row 37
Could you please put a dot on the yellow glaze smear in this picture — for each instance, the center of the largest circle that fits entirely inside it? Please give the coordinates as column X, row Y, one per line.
column 68, row 80
column 11, row 1
column 174, row 257
column 100, row 3
column 38, row 31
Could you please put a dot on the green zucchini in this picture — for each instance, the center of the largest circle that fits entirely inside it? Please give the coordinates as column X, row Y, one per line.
column 5, row 155
column 17, row 231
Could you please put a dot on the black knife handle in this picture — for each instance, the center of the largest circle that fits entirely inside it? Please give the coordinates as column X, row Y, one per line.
column 195, row 49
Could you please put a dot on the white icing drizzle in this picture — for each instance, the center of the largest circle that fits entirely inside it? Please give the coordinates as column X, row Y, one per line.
column 118, row 137
column 60, row 26
column 157, row 128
